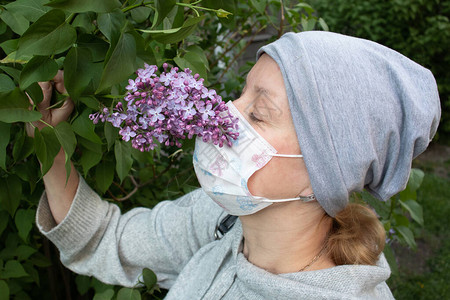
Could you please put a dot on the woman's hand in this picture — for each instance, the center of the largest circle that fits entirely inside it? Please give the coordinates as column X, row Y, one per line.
column 60, row 193
column 52, row 116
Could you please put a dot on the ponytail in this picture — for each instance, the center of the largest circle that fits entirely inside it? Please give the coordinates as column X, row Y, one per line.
column 356, row 237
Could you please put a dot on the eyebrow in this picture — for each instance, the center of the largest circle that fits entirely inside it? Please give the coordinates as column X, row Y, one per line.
column 271, row 112
column 260, row 89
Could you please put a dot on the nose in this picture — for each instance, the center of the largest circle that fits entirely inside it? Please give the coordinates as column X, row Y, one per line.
column 241, row 105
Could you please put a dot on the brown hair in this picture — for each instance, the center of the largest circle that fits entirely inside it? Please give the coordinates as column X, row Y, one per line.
column 356, row 236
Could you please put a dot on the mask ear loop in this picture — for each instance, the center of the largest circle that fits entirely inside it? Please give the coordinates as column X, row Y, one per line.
column 308, row 198
column 287, row 155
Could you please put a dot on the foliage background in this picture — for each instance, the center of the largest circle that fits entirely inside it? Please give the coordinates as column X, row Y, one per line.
column 99, row 44
column 419, row 29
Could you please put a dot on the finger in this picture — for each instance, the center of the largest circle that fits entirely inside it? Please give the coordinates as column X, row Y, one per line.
column 59, row 82
column 63, row 113
column 47, row 94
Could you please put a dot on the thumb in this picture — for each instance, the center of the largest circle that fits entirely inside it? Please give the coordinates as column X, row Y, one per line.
column 62, row 114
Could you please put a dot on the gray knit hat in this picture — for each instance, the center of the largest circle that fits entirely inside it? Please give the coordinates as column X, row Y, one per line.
column 361, row 111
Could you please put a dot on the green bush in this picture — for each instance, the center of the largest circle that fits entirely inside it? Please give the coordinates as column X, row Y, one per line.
column 420, row 29
column 432, row 283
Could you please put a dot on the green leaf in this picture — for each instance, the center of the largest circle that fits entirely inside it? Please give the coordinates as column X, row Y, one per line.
column 97, row 46
column 414, row 209
column 90, row 159
column 39, row 260
column 31, row 270
column 30, row 9
column 104, row 174
column 175, row 35
column 47, row 146
column 259, row 5
column 111, row 133
column 14, row 58
column 15, row 21
column 24, row 222
column 4, row 141
column 110, row 24
column 104, row 295
column 28, row 171
column 323, row 24
column 144, row 52
column 66, row 137
column 99, row 286
column 10, row 193
column 380, row 207
column 84, row 127
column 68, row 141
column 128, row 294
column 162, row 9
column 4, row 290
column 415, row 179
column 85, row 21
column 121, row 63
column 149, row 278
column 414, row 182
column 14, row 73
column 77, row 71
column 9, row 45
column 175, row 18
column 91, row 154
column 194, row 59
column 23, row 252
column 11, row 115
column 141, row 14
column 3, row 27
column 390, row 257
column 400, row 219
column 47, row 36
column 90, row 101
column 308, row 24
column 6, row 83
column 13, row 269
column 79, row 6
column 34, row 91
column 23, row 146
column 4, row 218
column 39, row 68
column 124, row 161
column 407, row 235
column 83, row 284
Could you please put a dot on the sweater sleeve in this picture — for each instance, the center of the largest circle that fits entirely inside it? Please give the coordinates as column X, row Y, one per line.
column 95, row 239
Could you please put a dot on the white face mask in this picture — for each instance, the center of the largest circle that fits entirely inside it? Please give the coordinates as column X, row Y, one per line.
column 223, row 172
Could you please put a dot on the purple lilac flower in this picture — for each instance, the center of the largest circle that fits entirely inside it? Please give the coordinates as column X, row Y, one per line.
column 390, row 235
column 168, row 108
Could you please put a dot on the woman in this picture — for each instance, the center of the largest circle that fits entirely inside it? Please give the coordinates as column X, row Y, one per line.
column 322, row 115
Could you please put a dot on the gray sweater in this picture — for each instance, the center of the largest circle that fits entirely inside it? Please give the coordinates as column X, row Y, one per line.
column 176, row 240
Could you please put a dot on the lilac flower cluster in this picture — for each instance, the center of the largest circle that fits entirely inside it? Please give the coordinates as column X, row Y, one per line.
column 168, row 108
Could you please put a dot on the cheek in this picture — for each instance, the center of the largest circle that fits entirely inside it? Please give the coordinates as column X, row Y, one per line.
column 280, row 178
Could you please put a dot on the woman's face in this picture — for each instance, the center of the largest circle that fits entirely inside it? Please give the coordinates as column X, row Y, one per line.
column 265, row 105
